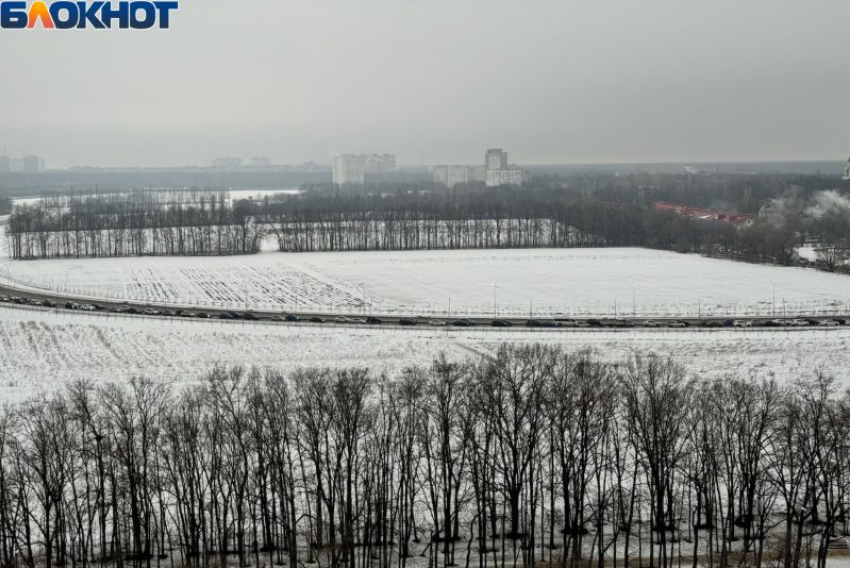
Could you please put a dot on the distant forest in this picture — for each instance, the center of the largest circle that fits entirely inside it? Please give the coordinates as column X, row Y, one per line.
column 532, row 457
column 580, row 210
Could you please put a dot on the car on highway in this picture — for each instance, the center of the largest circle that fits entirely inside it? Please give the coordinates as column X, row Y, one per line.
column 372, row 320
column 342, row 319
column 225, row 316
column 541, row 322
column 742, row 323
column 500, row 323
column 406, row 321
column 202, row 315
column 436, row 323
column 829, row 323
column 677, row 324
column 292, row 317
column 463, row 323
column 317, row 319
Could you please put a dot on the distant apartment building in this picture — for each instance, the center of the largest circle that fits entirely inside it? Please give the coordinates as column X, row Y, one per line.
column 31, row 164
column 380, row 163
column 16, row 164
column 451, row 176
column 261, row 162
column 497, row 170
column 5, row 164
column 847, row 171
column 349, row 169
column 227, row 163
column 495, row 159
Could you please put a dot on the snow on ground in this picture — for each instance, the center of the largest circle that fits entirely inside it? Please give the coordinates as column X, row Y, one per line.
column 43, row 349
column 517, row 281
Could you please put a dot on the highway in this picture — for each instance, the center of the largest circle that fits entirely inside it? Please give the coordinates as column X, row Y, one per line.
column 48, row 300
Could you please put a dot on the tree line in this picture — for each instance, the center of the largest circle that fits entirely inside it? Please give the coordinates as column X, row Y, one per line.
column 580, row 211
column 532, row 456
column 133, row 224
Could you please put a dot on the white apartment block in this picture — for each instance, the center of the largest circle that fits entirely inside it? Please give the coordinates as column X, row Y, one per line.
column 349, row 169
column 497, row 170
column 451, row 176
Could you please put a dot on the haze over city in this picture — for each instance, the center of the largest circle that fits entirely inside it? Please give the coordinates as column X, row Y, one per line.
column 437, row 82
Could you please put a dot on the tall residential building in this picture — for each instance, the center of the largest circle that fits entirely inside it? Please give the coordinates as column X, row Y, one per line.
column 495, row 159
column 32, row 164
column 380, row 163
column 497, row 170
column 260, row 162
column 451, row 176
column 847, row 171
column 227, row 163
column 5, row 164
column 349, row 169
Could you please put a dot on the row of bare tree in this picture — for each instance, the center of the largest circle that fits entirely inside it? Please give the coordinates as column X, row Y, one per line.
column 532, row 456
column 133, row 224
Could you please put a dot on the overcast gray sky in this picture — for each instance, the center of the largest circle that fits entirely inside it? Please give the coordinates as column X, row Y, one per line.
column 440, row 81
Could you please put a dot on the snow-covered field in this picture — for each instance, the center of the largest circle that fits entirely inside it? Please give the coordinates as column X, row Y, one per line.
column 43, row 349
column 518, row 281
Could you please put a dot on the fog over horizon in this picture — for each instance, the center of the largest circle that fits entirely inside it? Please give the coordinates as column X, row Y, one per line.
column 438, row 82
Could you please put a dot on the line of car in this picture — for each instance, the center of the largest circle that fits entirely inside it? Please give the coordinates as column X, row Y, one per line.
column 541, row 322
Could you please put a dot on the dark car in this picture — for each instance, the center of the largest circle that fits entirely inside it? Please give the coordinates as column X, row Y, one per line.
column 317, row 319
column 463, row 323
column 50, row 303
column 407, row 321
column 202, row 315
column 249, row 316
column 225, row 316
column 594, row 323
column 292, row 317
column 501, row 323
column 541, row 323
column 373, row 320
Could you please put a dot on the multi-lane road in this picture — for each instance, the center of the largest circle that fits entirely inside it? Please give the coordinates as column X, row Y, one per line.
column 49, row 300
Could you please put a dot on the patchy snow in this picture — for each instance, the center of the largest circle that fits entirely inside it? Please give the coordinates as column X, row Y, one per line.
column 582, row 282
column 43, row 349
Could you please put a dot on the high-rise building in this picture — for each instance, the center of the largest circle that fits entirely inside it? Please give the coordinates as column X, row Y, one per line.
column 451, row 176
column 5, row 164
column 495, row 159
column 227, row 163
column 847, row 171
column 349, row 169
column 498, row 172
column 380, row 163
column 260, row 162
column 32, row 164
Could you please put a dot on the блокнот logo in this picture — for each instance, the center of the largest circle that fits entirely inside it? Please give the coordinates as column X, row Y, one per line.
column 67, row 14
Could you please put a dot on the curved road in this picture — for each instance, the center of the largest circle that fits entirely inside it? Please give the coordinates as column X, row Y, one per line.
column 10, row 294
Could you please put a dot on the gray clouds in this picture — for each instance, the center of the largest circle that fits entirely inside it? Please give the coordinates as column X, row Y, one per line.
column 567, row 82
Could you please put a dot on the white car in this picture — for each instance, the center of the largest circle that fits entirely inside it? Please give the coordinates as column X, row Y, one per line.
column 829, row 323
column 651, row 323
column 742, row 323
column 437, row 323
